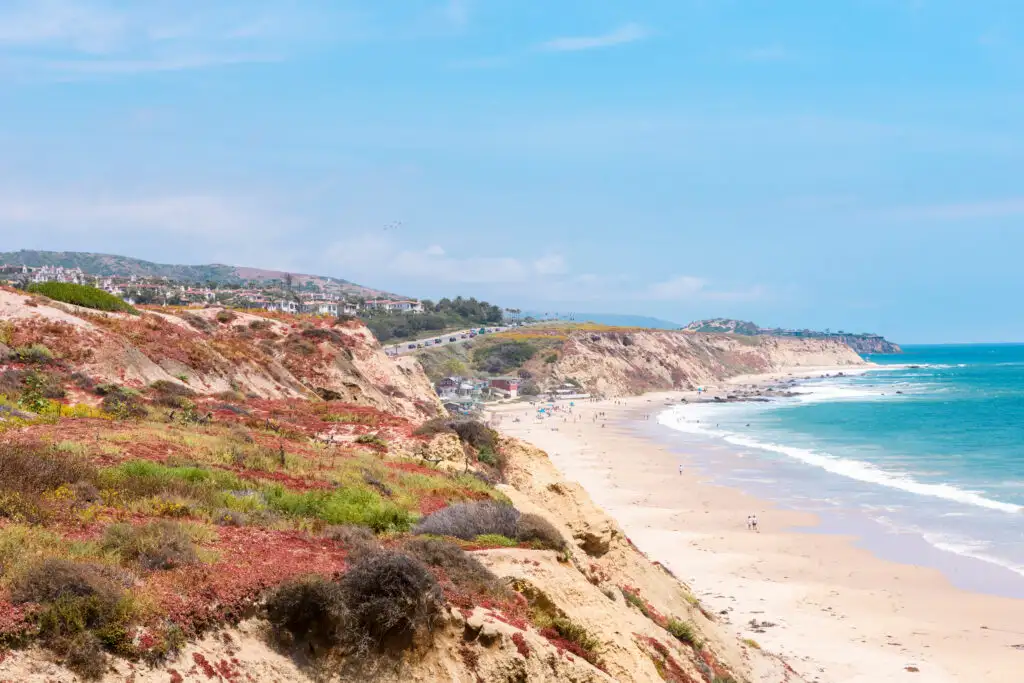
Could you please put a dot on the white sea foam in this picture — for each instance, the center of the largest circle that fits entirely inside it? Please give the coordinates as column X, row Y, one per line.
column 950, row 543
column 859, row 470
column 969, row 548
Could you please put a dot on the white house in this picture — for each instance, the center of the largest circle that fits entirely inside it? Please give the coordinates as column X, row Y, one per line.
column 322, row 307
column 288, row 306
column 402, row 306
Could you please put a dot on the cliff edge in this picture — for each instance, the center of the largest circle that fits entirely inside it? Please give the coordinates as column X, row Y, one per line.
column 633, row 362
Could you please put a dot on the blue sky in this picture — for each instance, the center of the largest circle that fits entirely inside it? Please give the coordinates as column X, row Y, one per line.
column 849, row 164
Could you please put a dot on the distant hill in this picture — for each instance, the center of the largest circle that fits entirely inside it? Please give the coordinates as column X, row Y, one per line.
column 724, row 325
column 617, row 320
column 125, row 266
column 863, row 342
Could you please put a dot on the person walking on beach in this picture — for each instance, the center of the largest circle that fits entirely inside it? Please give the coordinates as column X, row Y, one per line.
column 680, row 469
column 753, row 523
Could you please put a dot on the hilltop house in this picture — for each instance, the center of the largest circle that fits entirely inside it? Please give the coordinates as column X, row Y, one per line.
column 321, row 307
column 58, row 274
column 285, row 306
column 403, row 306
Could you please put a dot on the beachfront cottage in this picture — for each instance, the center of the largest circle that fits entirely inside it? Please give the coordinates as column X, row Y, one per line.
column 506, row 387
column 449, row 386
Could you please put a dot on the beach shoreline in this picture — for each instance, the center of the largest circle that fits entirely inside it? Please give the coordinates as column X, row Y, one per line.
column 837, row 612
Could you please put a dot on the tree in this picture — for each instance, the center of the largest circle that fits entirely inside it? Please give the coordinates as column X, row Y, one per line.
column 453, row 367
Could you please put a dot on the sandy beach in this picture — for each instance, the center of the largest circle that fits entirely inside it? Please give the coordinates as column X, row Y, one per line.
column 836, row 612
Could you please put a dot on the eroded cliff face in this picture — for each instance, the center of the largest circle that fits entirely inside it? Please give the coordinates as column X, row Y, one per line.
column 661, row 633
column 214, row 350
column 866, row 345
column 624, row 363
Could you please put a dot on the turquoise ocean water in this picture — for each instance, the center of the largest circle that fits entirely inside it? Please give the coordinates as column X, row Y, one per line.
column 929, row 444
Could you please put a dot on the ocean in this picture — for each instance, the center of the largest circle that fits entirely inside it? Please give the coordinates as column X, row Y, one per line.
column 927, row 446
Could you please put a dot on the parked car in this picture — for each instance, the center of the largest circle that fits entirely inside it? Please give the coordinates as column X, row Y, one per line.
column 428, row 343
column 437, row 341
column 472, row 334
column 451, row 339
column 412, row 346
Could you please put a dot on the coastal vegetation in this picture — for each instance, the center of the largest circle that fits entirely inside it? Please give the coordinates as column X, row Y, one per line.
column 138, row 472
column 82, row 295
column 444, row 315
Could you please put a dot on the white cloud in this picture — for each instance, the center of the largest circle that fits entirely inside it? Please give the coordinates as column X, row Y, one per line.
column 627, row 33
column 205, row 217
column 690, row 288
column 678, row 287
column 370, row 254
column 75, row 37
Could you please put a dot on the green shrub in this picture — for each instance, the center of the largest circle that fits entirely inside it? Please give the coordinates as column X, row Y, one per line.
column 496, row 540
column 529, row 388
column 436, row 425
column 39, row 354
column 358, row 541
column 224, row 317
column 503, row 356
column 85, row 656
column 82, row 295
column 82, row 610
column 470, row 520
column 391, row 598
column 156, row 545
column 461, row 568
column 36, row 469
column 309, row 610
column 122, row 402
column 144, row 478
column 349, row 505
column 172, row 395
column 371, row 440
column 576, row 633
column 683, row 631
column 54, row 578
column 535, row 529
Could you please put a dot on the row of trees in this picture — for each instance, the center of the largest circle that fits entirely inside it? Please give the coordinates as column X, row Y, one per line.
column 446, row 314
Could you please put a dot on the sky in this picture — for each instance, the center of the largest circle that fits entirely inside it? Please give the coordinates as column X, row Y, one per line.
column 851, row 164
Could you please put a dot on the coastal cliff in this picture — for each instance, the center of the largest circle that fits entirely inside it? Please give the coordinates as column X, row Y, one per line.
column 622, row 363
column 196, row 493
column 209, row 351
column 863, row 343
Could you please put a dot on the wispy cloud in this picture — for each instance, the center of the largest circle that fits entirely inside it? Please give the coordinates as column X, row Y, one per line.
column 56, row 38
column 996, row 208
column 372, row 254
column 456, row 12
column 161, row 217
column 690, row 288
column 627, row 33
